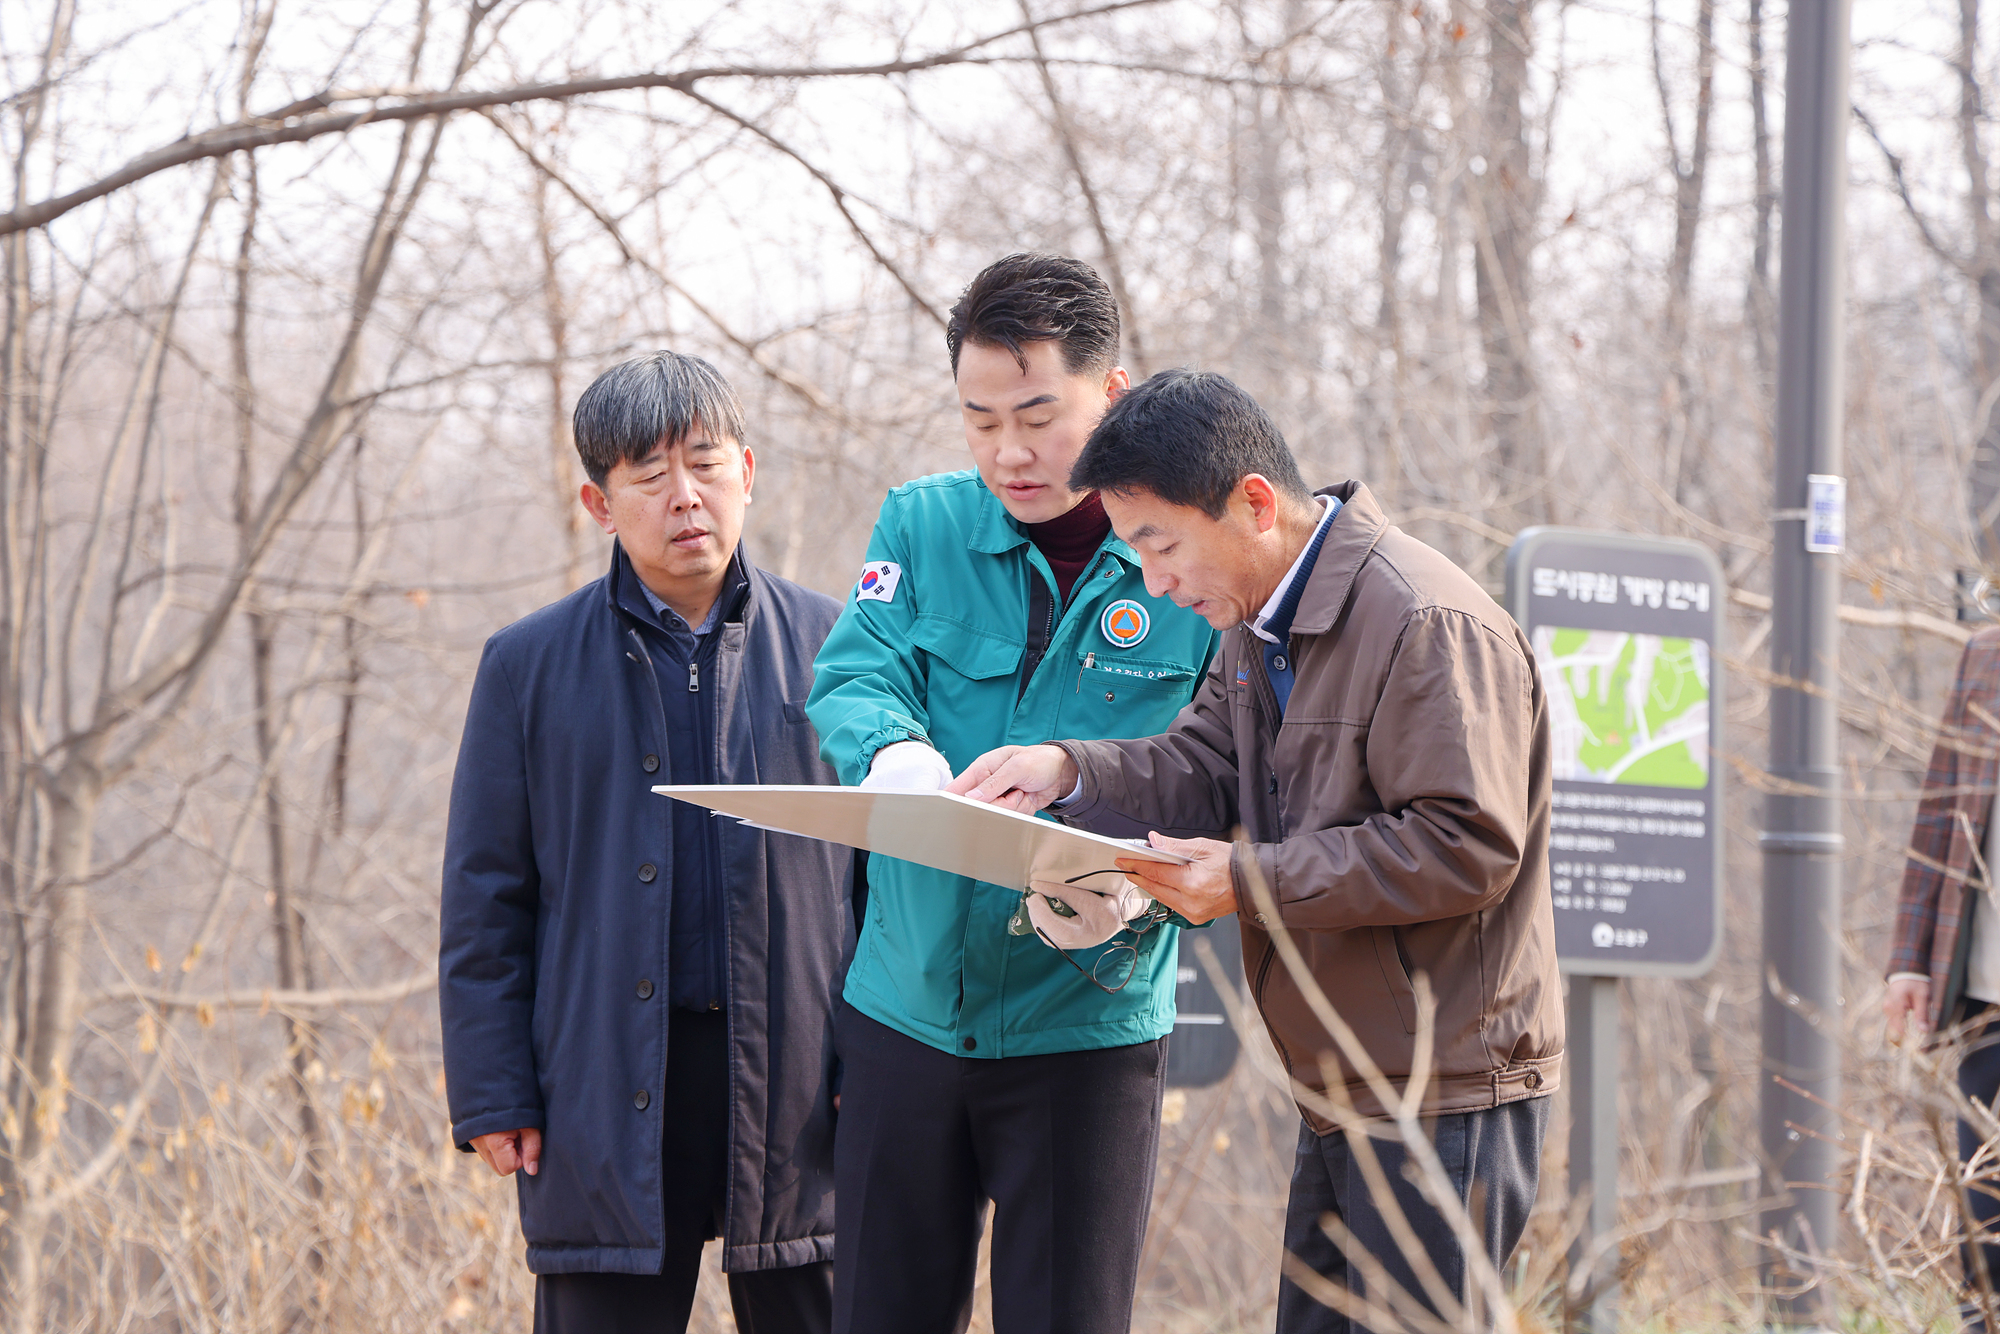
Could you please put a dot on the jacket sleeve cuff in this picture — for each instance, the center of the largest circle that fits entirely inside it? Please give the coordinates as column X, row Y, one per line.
column 487, row 1123
column 1082, row 801
column 1908, row 977
column 1245, row 861
column 882, row 737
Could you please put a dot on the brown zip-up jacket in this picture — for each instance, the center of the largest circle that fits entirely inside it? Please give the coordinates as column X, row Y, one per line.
column 1399, row 817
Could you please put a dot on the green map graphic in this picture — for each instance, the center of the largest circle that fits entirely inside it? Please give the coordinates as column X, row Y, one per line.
column 1626, row 708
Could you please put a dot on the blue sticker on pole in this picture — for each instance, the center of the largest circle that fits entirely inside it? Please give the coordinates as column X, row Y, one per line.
column 1826, row 514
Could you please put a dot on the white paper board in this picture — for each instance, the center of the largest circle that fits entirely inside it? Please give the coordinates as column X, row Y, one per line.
column 939, row 829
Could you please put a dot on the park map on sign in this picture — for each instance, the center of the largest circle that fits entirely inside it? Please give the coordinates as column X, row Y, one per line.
column 1626, row 708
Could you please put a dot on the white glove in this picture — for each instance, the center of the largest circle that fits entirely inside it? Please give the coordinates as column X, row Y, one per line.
column 1099, row 916
column 906, row 765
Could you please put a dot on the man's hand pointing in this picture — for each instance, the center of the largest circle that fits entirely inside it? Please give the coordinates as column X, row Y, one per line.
column 1021, row 778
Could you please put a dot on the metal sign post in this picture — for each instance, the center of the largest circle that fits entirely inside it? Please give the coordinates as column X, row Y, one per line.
column 1627, row 633
column 1800, row 1125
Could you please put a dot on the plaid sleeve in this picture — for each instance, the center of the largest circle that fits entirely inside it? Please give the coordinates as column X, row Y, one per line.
column 1927, row 873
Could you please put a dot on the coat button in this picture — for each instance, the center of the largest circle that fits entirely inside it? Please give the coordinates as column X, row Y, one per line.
column 1110, row 695
column 972, row 1044
column 645, row 989
column 651, row 764
column 1279, row 662
column 648, row 873
column 1111, row 574
column 641, row 1099
column 1258, row 919
column 1534, row 1079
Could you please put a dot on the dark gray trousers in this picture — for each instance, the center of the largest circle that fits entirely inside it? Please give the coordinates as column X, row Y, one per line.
column 1064, row 1146
column 1979, row 1080
column 1493, row 1158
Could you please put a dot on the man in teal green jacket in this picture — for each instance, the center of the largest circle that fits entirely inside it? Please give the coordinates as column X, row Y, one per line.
column 994, row 1048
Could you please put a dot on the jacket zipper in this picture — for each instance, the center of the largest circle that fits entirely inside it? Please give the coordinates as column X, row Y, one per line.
column 1057, row 613
column 694, row 678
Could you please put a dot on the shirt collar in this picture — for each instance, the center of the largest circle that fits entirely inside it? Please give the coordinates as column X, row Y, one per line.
column 735, row 583
column 1327, row 510
column 664, row 612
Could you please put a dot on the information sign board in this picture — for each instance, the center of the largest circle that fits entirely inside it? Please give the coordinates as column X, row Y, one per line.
column 1627, row 633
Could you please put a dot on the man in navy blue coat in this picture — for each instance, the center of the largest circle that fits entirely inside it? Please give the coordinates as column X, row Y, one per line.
column 636, row 997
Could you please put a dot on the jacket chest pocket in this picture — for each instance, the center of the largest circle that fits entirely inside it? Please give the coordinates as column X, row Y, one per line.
column 968, row 683
column 1121, row 696
column 976, row 655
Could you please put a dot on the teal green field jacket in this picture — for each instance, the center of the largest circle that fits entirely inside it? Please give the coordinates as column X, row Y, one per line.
column 929, row 648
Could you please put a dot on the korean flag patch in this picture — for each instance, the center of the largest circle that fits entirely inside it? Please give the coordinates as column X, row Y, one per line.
column 878, row 581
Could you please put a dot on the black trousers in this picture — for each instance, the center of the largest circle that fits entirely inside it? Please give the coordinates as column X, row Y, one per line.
column 1493, row 1158
column 1063, row 1145
column 695, row 1142
column 1979, row 1080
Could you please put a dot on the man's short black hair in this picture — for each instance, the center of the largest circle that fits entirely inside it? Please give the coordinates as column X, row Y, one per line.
column 1189, row 437
column 638, row 403
column 1033, row 298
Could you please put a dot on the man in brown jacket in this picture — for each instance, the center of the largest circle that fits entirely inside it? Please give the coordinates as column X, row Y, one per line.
column 1374, row 737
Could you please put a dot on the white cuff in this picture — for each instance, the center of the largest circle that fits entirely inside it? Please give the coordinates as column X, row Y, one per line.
column 1074, row 793
column 1909, row 977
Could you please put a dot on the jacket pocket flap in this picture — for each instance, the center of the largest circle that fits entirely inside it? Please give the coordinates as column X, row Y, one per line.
column 1116, row 667
column 974, row 654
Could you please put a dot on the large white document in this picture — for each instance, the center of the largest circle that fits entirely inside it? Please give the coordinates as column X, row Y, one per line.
column 940, row 829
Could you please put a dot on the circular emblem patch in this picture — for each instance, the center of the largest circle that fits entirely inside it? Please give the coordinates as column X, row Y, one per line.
column 1125, row 623
column 869, row 580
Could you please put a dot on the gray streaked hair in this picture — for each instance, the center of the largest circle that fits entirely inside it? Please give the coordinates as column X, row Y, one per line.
column 632, row 407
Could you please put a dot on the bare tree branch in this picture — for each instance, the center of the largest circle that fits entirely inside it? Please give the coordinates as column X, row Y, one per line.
column 807, row 392
column 1882, row 618
column 270, row 998
column 839, row 199
column 1938, row 247
column 311, row 118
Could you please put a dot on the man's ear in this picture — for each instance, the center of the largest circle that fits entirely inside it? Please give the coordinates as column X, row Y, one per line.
column 749, row 472
column 1262, row 498
column 1116, row 383
column 593, row 498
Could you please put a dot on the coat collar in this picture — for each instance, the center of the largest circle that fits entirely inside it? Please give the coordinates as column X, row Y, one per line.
column 1349, row 540
column 996, row 531
column 739, row 581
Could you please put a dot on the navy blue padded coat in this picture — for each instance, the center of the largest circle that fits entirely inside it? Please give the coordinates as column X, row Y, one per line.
column 557, row 890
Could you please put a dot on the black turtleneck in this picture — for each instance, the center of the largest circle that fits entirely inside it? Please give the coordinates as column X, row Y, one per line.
column 1068, row 541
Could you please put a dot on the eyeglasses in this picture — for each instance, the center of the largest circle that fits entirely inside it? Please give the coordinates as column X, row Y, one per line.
column 1120, row 955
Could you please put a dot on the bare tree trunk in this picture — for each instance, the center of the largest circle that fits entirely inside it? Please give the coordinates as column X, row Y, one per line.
column 1762, row 298
column 1503, row 246
column 562, row 450
column 130, row 714
column 1677, row 424
column 1401, row 165
column 1451, row 200
column 291, row 969
column 21, row 464
column 72, row 786
column 1984, row 270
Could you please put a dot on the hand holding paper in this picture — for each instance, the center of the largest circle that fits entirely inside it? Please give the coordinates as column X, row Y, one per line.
column 1200, row 891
